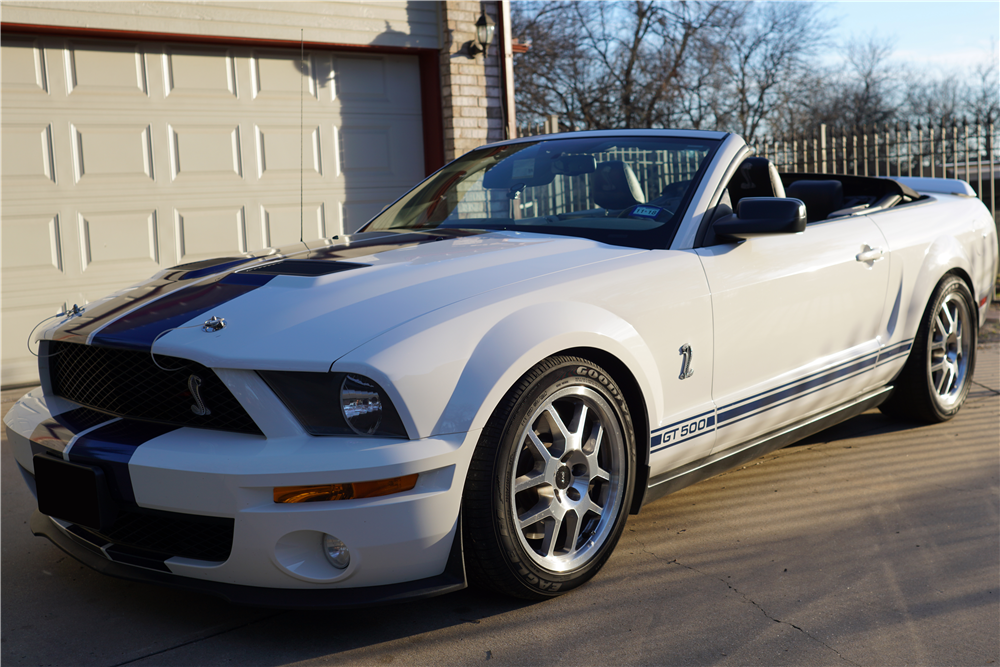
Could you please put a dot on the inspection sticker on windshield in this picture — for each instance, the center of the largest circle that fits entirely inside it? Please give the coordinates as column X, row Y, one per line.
column 646, row 211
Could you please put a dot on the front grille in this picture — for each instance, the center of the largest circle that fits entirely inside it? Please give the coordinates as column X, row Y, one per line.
column 127, row 383
column 170, row 534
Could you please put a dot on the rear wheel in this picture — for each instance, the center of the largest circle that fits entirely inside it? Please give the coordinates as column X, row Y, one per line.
column 550, row 483
column 937, row 376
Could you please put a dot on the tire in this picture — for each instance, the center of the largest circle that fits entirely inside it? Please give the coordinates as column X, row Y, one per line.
column 936, row 378
column 550, row 482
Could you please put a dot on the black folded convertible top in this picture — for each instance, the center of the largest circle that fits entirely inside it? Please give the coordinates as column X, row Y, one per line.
column 866, row 186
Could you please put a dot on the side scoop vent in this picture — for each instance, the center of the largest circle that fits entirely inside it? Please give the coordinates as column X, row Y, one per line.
column 303, row 267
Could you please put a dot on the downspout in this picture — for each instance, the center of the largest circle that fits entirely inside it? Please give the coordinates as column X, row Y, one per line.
column 506, row 69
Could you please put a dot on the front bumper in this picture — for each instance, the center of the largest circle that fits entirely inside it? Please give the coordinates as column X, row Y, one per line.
column 452, row 579
column 402, row 545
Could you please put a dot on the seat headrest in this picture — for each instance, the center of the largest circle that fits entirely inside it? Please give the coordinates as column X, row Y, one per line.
column 616, row 186
column 756, row 177
column 820, row 197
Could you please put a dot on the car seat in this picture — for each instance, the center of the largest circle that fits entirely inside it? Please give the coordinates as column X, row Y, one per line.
column 616, row 186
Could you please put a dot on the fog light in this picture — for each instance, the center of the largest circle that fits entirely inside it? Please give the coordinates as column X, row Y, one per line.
column 336, row 552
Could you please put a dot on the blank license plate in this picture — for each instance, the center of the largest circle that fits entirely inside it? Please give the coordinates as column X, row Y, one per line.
column 73, row 492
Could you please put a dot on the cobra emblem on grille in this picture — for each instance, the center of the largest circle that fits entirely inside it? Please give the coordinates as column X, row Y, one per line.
column 199, row 407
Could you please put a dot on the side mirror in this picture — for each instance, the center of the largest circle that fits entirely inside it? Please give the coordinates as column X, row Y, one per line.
column 757, row 216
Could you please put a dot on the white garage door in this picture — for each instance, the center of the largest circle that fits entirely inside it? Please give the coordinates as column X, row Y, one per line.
column 120, row 159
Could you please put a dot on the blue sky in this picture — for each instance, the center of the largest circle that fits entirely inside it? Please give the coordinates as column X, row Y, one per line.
column 940, row 38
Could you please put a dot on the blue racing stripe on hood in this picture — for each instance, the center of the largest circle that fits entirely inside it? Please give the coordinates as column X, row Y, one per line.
column 138, row 329
column 80, row 329
column 134, row 319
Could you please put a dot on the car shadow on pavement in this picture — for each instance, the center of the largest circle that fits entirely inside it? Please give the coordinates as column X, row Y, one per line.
column 872, row 422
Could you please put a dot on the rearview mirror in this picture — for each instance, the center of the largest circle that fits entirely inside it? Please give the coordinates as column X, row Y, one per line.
column 574, row 165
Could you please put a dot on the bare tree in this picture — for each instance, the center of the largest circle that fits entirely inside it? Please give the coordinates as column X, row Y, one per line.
column 649, row 63
column 935, row 101
column 610, row 64
column 983, row 99
column 871, row 95
column 768, row 54
column 553, row 74
column 859, row 93
column 748, row 67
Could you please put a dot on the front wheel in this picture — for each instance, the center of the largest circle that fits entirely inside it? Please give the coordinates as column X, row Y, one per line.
column 550, row 482
column 937, row 376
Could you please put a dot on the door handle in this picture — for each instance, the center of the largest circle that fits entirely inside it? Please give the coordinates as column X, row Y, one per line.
column 870, row 254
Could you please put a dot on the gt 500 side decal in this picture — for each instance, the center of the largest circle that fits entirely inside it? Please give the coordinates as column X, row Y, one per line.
column 681, row 431
column 732, row 413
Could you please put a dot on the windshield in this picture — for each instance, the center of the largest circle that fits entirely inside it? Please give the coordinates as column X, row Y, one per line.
column 629, row 191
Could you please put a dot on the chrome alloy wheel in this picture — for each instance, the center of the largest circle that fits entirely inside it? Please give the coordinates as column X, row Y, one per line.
column 948, row 358
column 567, row 477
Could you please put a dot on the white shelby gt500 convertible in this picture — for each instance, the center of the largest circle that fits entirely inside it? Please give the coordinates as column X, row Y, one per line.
column 484, row 382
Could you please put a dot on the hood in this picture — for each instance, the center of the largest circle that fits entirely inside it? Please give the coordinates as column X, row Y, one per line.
column 303, row 307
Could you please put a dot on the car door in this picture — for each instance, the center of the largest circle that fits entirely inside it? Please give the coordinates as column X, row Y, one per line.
column 796, row 319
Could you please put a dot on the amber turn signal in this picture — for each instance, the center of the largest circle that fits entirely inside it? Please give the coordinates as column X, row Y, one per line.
column 321, row 492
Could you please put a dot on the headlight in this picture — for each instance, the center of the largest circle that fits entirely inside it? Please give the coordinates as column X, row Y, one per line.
column 361, row 403
column 336, row 403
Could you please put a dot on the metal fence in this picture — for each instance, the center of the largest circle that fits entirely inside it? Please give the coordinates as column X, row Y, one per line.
column 968, row 151
column 549, row 126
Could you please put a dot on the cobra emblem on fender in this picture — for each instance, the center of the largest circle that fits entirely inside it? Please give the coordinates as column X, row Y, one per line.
column 686, row 370
column 199, row 407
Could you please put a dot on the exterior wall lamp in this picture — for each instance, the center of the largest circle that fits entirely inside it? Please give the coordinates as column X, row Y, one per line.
column 485, row 27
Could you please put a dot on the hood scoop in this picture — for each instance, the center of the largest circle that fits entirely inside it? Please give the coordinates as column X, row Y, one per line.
column 303, row 267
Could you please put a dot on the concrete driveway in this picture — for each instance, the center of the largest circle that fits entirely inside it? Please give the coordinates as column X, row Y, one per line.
column 873, row 543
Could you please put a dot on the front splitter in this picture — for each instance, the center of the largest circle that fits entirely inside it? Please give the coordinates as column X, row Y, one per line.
column 452, row 579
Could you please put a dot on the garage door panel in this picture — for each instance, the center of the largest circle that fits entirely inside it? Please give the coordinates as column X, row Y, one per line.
column 28, row 154
column 324, row 75
column 365, row 149
column 122, row 158
column 118, row 152
column 282, row 75
column 361, row 78
column 197, row 151
column 289, row 150
column 18, row 323
column 280, row 223
column 376, row 83
column 106, row 70
column 24, row 68
column 370, row 153
column 32, row 246
column 203, row 233
column 199, row 74
column 118, row 241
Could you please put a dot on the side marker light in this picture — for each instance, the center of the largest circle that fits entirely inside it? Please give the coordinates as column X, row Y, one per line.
column 323, row 492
